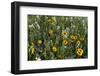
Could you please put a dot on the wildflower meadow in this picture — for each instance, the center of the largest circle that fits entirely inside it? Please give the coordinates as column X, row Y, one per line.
column 57, row 37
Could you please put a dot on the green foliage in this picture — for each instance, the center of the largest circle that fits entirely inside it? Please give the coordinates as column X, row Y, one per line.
column 57, row 37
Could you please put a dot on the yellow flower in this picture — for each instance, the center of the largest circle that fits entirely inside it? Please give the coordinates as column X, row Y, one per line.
column 64, row 33
column 78, row 42
column 54, row 49
column 51, row 21
column 33, row 50
column 65, row 42
column 54, row 19
column 50, row 32
column 74, row 37
column 39, row 41
column 79, row 51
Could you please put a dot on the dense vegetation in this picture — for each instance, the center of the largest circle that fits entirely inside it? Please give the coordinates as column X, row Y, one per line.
column 57, row 37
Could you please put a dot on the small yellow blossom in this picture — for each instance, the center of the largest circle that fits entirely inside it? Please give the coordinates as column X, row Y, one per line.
column 54, row 19
column 65, row 42
column 78, row 42
column 39, row 41
column 64, row 33
column 51, row 21
column 54, row 49
column 50, row 32
column 79, row 51
column 74, row 37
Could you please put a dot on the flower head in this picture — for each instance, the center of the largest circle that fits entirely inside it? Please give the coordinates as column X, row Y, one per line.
column 79, row 51
column 39, row 41
column 64, row 33
column 65, row 42
column 54, row 49
column 50, row 32
column 78, row 42
column 51, row 21
column 74, row 37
